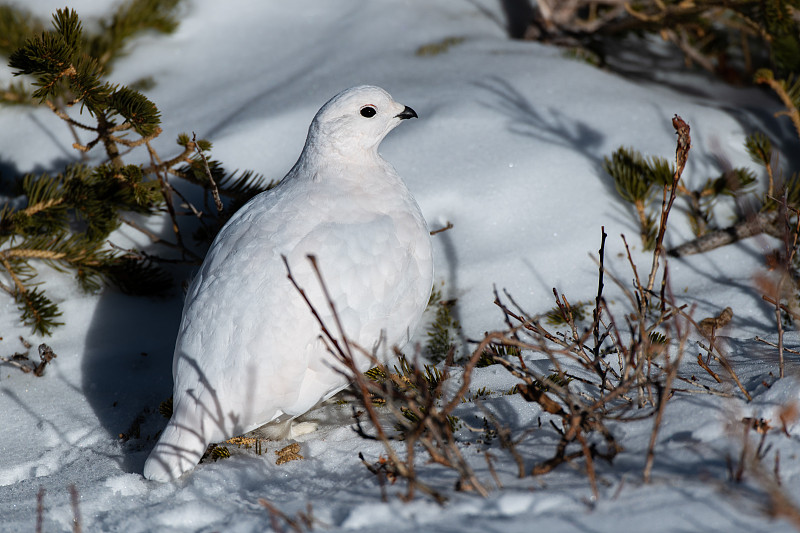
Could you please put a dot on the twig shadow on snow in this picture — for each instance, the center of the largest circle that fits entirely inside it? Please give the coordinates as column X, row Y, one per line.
column 548, row 124
column 551, row 126
column 713, row 268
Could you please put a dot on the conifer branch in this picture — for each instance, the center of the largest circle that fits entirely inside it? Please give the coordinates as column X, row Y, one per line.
column 22, row 253
column 68, row 72
column 42, row 206
column 68, row 66
column 759, row 223
column 103, row 126
column 765, row 76
column 66, row 118
column 138, row 142
column 20, row 287
column 168, row 165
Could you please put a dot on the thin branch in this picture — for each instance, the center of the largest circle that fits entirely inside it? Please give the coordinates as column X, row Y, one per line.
column 214, row 189
column 66, row 118
column 441, row 230
column 755, row 225
column 681, row 156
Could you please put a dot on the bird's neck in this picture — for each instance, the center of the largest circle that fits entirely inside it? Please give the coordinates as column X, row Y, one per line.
column 320, row 161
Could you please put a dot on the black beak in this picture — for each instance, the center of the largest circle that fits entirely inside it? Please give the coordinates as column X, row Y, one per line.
column 407, row 113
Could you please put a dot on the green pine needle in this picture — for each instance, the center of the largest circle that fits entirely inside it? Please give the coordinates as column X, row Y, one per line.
column 136, row 109
column 555, row 317
column 635, row 176
column 441, row 332
column 38, row 311
column 69, row 216
column 759, row 148
column 67, row 24
column 136, row 276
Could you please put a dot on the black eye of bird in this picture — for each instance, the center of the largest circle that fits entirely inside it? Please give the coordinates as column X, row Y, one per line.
column 368, row 111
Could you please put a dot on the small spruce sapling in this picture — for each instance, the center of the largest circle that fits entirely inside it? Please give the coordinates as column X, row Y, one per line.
column 69, row 216
column 639, row 179
column 441, row 332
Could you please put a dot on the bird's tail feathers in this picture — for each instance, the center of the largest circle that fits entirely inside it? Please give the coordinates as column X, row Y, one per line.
column 177, row 451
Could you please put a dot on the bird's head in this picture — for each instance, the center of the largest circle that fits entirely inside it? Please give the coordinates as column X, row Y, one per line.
column 356, row 120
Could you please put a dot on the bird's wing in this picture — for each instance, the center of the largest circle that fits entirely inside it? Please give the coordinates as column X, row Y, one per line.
column 244, row 327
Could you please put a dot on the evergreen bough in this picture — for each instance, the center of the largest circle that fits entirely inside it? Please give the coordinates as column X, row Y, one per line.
column 69, row 216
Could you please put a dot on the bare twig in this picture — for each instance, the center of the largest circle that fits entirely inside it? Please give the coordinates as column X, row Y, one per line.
column 343, row 351
column 441, row 230
column 681, row 156
column 40, row 510
column 768, row 343
column 303, row 521
column 664, row 393
column 214, row 189
column 74, row 499
column 754, row 225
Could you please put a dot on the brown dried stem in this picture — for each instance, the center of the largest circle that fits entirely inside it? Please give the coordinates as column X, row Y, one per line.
column 681, row 156
column 214, row 189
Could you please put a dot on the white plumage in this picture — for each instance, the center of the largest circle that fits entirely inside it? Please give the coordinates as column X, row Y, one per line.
column 248, row 350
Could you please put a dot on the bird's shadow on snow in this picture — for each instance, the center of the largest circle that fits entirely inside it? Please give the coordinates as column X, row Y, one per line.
column 126, row 364
column 126, row 367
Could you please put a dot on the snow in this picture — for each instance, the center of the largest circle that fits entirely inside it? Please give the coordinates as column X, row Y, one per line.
column 509, row 148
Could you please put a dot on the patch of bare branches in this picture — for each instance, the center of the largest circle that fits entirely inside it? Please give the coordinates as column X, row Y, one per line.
column 300, row 523
column 608, row 372
column 759, row 462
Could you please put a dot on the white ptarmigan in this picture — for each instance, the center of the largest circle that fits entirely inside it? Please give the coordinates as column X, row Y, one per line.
column 249, row 350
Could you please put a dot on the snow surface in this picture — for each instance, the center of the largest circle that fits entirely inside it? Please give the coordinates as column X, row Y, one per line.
column 508, row 148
